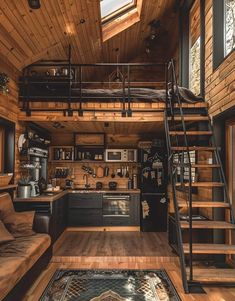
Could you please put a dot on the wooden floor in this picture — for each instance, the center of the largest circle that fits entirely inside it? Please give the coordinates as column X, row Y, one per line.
column 120, row 250
column 108, row 246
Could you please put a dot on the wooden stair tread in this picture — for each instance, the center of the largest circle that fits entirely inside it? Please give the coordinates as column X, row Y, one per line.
column 202, row 204
column 205, row 165
column 190, row 118
column 191, row 148
column 190, row 133
column 210, row 248
column 201, row 184
column 205, row 224
column 213, row 275
column 192, row 105
column 197, row 165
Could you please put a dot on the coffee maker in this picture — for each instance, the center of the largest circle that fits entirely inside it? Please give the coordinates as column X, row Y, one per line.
column 38, row 158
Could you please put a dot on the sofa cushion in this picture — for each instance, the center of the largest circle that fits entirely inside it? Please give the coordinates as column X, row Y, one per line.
column 5, row 236
column 6, row 205
column 11, row 271
column 18, row 256
column 19, row 223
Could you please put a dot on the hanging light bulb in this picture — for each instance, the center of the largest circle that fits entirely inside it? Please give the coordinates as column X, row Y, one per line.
column 34, row 4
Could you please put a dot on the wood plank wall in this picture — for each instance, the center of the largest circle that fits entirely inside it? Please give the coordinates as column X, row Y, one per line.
column 112, row 141
column 220, row 83
column 9, row 107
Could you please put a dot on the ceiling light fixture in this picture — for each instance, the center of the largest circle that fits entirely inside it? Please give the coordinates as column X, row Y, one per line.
column 34, row 4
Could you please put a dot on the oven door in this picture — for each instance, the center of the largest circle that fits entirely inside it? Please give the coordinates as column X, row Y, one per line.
column 115, row 205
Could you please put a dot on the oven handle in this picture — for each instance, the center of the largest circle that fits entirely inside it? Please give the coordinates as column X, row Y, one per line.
column 124, row 197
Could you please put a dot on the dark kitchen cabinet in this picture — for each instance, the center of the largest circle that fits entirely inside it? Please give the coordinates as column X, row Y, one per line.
column 85, row 209
column 57, row 210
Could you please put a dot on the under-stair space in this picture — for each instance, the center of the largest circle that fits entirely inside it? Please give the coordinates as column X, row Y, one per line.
column 203, row 216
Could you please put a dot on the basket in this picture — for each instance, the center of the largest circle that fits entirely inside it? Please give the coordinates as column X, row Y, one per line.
column 5, row 179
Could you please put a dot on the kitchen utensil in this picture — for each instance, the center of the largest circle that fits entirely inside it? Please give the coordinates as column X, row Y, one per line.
column 99, row 185
column 112, row 185
column 135, row 181
column 119, row 172
column 68, row 183
column 106, row 171
column 34, row 189
column 113, row 174
column 23, row 191
column 100, row 172
column 94, row 172
column 127, row 172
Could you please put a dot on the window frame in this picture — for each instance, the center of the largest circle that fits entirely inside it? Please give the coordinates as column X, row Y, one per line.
column 117, row 13
column 184, row 49
column 219, row 34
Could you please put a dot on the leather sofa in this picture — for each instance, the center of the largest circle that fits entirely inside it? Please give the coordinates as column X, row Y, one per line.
column 22, row 260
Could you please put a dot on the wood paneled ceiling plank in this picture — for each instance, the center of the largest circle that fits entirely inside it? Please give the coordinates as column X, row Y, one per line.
column 14, row 25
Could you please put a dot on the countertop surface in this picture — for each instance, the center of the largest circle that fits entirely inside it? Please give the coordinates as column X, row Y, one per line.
column 51, row 197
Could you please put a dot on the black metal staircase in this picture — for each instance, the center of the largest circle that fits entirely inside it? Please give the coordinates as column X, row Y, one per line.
column 189, row 133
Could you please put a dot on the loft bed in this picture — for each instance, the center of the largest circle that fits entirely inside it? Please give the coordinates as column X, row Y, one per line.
column 63, row 82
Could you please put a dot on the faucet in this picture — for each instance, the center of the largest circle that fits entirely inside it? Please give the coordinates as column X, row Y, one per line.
column 87, row 185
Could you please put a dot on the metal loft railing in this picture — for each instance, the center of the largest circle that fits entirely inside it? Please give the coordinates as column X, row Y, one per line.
column 68, row 87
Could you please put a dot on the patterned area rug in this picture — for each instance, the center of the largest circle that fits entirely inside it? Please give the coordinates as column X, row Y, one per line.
column 110, row 285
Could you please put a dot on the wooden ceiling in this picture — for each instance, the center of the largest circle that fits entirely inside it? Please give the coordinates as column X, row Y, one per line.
column 27, row 35
column 115, row 128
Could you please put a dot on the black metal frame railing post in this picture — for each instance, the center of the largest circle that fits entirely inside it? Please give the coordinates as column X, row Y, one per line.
column 70, row 111
column 129, row 112
column 80, row 111
column 169, row 107
column 177, row 97
column 123, row 93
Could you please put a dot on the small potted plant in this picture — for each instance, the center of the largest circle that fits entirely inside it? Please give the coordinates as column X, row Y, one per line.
column 4, row 80
column 24, row 187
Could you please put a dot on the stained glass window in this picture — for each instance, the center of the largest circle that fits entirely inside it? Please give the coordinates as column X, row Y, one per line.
column 229, row 25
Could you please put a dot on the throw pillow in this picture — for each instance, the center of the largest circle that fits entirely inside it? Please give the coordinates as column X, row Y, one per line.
column 20, row 223
column 5, row 236
column 6, row 205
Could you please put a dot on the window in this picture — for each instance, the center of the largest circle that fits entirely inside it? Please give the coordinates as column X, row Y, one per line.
column 118, row 15
column 112, row 8
column 229, row 26
column 194, row 81
column 195, row 49
column 223, row 30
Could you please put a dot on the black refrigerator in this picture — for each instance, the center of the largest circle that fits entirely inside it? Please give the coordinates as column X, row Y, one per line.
column 153, row 184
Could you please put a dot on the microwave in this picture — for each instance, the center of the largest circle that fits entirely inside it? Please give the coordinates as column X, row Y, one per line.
column 120, row 155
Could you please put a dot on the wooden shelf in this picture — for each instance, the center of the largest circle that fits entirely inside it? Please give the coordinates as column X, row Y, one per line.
column 10, row 186
column 61, row 161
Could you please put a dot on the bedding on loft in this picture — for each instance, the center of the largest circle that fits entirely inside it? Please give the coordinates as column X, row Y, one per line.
column 110, row 95
column 140, row 94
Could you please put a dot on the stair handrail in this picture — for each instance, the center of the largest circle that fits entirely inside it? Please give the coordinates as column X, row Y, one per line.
column 172, row 180
column 175, row 95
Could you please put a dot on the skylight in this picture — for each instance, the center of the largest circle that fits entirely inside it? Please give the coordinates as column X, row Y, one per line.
column 113, row 7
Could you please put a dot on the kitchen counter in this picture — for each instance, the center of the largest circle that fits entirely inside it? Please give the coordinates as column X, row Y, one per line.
column 57, row 195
